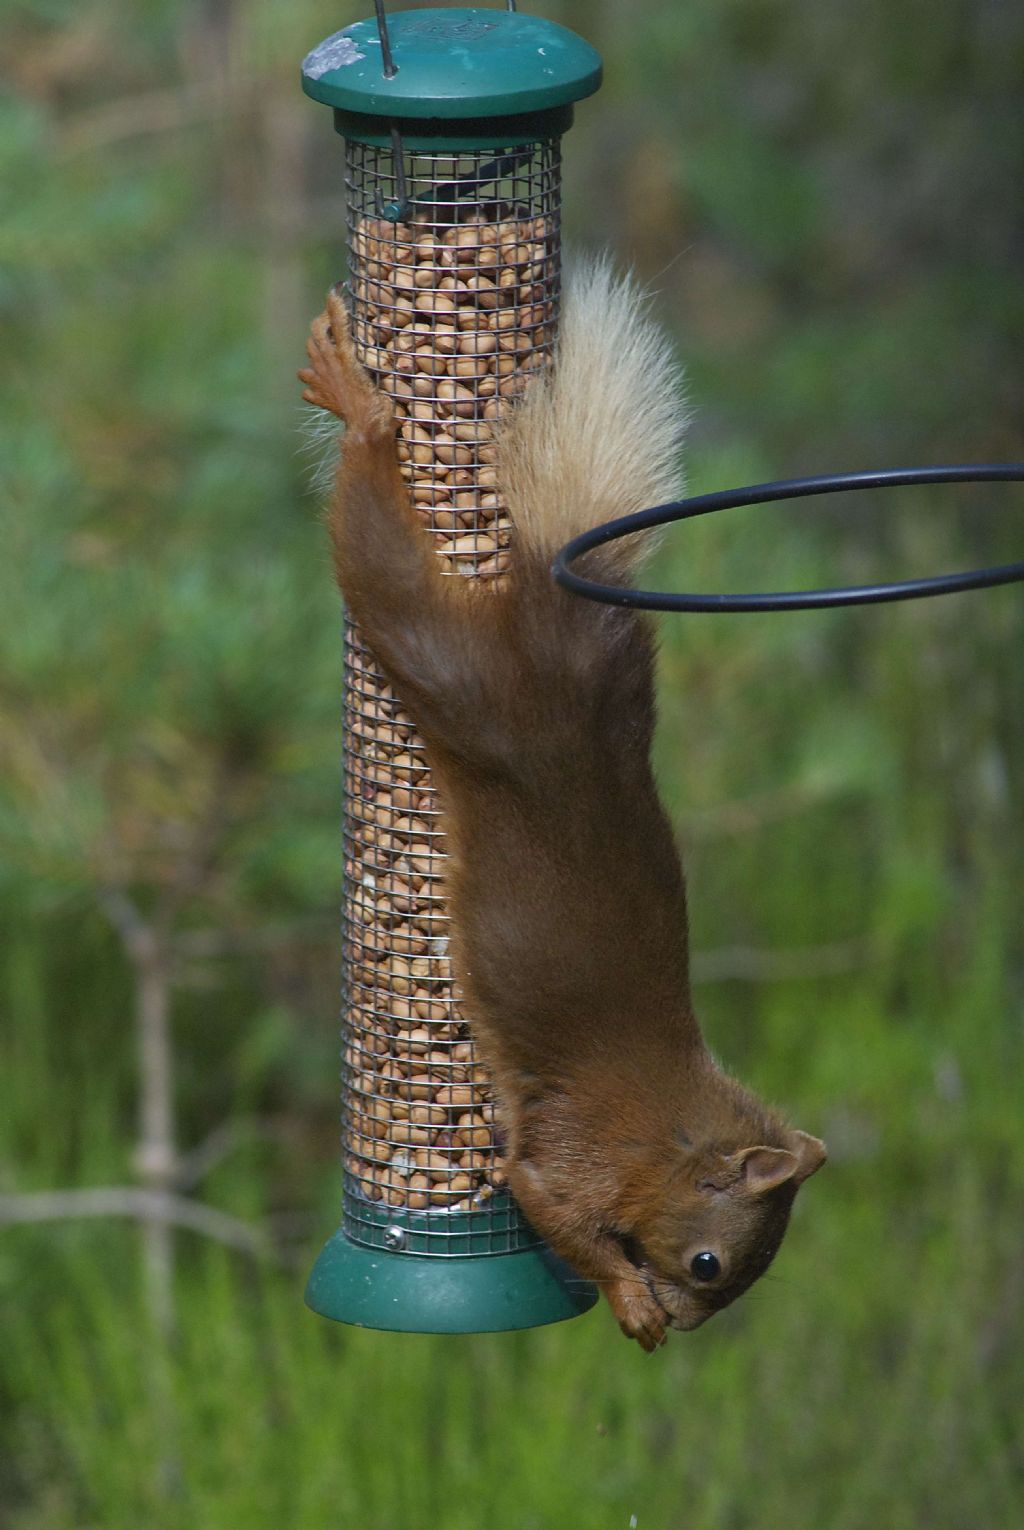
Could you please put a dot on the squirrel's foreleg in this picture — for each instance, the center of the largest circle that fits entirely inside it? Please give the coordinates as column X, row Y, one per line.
column 385, row 568
column 595, row 1253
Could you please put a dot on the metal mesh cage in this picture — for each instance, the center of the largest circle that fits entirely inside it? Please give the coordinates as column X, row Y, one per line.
column 454, row 298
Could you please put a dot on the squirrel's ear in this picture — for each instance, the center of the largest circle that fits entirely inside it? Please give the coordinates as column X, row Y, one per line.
column 810, row 1154
column 764, row 1168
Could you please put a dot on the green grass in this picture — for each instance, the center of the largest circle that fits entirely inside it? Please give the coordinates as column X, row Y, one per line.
column 865, row 1383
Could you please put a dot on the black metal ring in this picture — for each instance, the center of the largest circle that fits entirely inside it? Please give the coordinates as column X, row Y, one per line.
column 766, row 493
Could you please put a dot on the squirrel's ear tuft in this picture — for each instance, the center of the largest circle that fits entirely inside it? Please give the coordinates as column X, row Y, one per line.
column 810, row 1154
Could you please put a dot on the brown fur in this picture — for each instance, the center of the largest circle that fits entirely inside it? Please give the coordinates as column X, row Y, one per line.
column 628, row 1148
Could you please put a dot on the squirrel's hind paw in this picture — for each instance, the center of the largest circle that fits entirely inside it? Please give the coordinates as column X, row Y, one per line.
column 336, row 380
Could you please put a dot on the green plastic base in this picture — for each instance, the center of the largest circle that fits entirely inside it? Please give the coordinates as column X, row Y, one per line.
column 476, row 1293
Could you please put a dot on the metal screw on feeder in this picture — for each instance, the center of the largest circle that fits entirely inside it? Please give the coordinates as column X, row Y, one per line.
column 452, row 121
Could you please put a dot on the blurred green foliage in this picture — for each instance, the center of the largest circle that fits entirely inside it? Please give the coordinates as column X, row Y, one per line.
column 826, row 202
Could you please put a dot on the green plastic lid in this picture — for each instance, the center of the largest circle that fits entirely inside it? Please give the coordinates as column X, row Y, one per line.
column 453, row 64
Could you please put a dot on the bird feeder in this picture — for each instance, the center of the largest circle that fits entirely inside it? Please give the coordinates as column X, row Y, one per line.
column 452, row 121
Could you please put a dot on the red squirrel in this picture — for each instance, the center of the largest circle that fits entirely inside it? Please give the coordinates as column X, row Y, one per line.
column 640, row 1161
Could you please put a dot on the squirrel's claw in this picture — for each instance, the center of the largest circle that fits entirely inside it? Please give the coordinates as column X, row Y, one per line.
column 336, row 380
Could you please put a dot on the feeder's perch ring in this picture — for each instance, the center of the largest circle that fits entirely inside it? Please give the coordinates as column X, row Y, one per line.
column 768, row 493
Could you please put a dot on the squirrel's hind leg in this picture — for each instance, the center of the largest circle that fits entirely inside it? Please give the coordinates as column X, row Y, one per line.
column 384, row 565
column 337, row 381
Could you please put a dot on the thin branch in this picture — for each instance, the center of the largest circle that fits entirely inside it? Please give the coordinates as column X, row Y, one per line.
column 749, row 964
column 151, row 112
column 196, row 865
column 227, row 942
column 131, row 1201
column 145, row 946
column 750, row 813
column 136, row 935
column 220, row 1144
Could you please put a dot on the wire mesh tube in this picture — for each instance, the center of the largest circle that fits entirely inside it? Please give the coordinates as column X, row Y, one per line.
column 454, row 306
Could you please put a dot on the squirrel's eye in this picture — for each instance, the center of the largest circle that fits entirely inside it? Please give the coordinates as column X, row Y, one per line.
column 704, row 1266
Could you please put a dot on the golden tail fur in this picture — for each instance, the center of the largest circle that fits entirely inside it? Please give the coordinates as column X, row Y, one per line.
column 597, row 435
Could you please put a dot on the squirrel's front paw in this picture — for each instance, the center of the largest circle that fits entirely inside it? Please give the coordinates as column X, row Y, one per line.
column 336, row 380
column 640, row 1315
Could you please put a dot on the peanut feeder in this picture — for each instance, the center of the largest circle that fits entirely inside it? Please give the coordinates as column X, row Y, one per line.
column 452, row 121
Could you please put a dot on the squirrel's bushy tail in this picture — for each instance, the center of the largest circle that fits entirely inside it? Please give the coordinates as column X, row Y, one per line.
column 598, row 434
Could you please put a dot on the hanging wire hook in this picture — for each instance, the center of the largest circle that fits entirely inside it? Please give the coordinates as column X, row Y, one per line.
column 390, row 67
column 395, row 210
